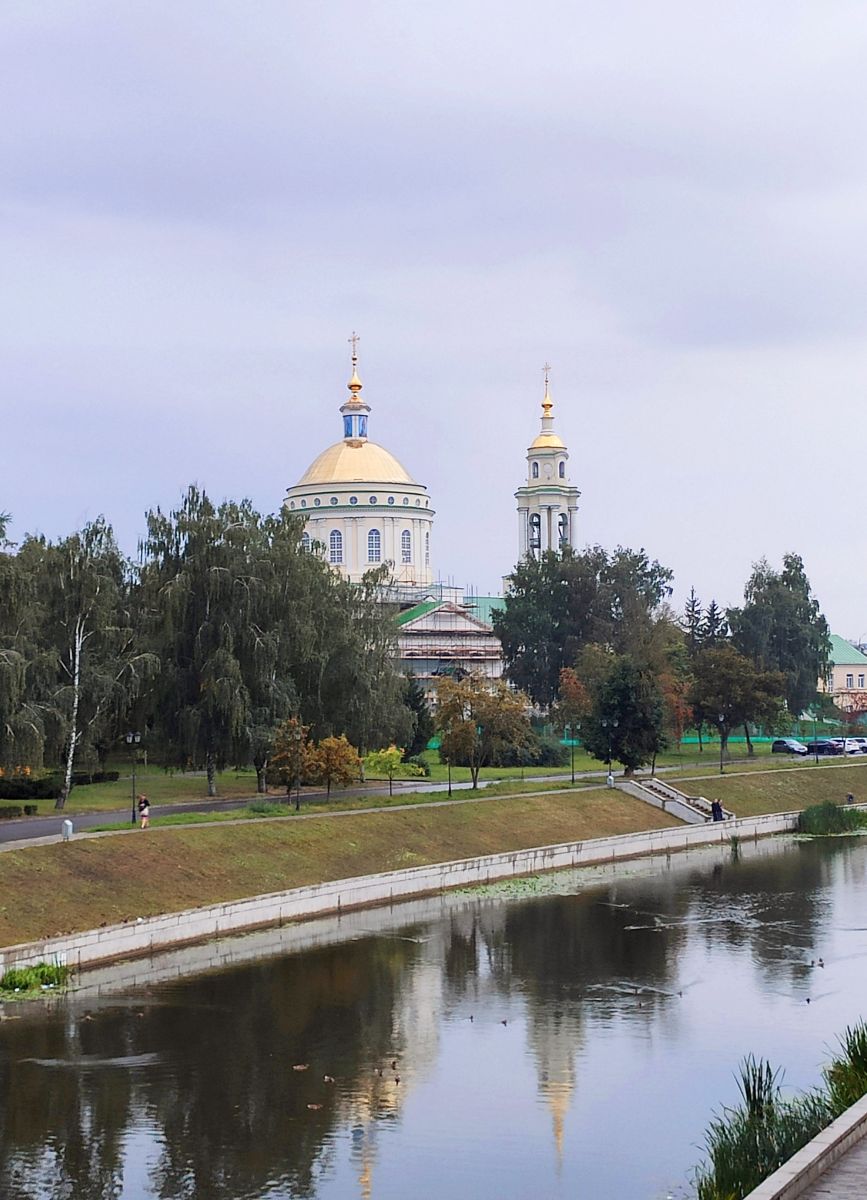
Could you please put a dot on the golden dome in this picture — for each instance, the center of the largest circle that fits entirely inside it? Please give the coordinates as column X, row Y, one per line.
column 547, row 441
column 363, row 462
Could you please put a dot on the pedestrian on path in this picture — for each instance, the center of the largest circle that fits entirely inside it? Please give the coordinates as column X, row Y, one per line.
column 144, row 811
column 850, row 799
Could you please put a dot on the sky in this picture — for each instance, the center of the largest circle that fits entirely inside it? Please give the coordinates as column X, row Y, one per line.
column 667, row 202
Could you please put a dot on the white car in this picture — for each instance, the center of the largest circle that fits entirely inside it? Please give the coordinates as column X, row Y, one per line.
column 856, row 745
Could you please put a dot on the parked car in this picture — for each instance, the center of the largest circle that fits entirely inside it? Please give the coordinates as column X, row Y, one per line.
column 861, row 743
column 788, row 746
column 825, row 746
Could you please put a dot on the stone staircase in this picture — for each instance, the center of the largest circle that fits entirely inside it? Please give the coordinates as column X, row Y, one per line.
column 694, row 810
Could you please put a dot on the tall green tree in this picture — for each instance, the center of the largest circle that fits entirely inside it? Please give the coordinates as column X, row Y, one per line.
column 626, row 722
column 422, row 718
column 781, row 628
column 714, row 627
column 730, row 691
column 558, row 604
column 86, row 668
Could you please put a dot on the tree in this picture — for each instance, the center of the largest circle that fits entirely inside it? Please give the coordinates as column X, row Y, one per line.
column 292, row 756
column 423, row 724
column 559, row 603
column 478, row 719
column 387, row 762
column 87, row 669
column 730, row 691
column 334, row 761
column 781, row 628
column 573, row 702
column 714, row 628
column 627, row 718
column 691, row 622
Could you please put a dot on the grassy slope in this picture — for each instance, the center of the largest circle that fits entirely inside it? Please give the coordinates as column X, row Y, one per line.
column 60, row 888
column 779, row 791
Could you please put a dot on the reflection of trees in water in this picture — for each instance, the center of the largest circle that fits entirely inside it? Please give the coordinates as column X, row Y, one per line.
column 230, row 1116
column 231, row 1113
column 773, row 906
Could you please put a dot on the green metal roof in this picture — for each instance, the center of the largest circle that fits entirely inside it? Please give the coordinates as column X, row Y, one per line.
column 484, row 607
column 844, row 654
column 417, row 610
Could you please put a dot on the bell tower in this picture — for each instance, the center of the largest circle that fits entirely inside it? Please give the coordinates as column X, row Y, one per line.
column 547, row 502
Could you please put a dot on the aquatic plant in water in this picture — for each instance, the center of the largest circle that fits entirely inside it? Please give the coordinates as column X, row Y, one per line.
column 746, row 1144
column 828, row 818
column 32, row 979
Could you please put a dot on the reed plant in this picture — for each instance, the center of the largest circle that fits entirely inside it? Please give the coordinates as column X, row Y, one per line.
column 829, row 818
column 846, row 1076
column 747, row 1143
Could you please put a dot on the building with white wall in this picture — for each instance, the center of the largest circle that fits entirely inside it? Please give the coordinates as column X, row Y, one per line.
column 363, row 508
column 547, row 502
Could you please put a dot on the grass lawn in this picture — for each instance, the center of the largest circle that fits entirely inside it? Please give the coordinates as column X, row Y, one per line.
column 161, row 787
column 779, row 791
column 48, row 890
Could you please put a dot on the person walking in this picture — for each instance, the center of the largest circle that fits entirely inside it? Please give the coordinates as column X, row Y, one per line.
column 850, row 799
column 144, row 811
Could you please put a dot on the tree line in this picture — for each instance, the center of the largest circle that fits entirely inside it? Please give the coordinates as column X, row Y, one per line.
column 222, row 629
column 593, row 641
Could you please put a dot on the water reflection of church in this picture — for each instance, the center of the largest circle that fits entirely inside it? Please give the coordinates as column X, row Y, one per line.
column 363, row 509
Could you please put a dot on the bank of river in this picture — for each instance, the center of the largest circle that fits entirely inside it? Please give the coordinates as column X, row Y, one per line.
column 571, row 1042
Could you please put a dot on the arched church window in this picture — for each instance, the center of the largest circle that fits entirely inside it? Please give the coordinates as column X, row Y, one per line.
column 374, row 546
column 406, row 546
column 427, row 549
column 561, row 470
column 535, row 531
column 335, row 546
column 535, row 470
column 564, row 530
column 305, row 541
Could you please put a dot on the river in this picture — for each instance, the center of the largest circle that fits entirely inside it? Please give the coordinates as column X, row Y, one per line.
column 568, row 1037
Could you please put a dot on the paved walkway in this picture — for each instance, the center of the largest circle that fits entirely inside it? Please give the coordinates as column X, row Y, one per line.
column 846, row 1180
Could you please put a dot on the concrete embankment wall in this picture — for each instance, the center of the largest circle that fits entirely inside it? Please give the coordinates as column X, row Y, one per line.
column 152, row 934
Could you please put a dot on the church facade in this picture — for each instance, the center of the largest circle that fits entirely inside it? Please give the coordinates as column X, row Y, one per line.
column 362, row 506
column 363, row 509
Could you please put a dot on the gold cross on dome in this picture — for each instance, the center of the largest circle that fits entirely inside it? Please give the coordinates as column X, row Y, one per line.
column 353, row 341
column 546, row 369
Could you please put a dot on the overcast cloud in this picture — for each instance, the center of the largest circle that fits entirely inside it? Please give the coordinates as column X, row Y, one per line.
column 665, row 200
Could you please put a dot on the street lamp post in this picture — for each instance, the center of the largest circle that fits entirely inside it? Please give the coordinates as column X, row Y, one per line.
column 815, row 743
column 608, row 726
column 721, row 720
column 297, row 737
column 449, row 765
column 132, row 741
column 571, row 731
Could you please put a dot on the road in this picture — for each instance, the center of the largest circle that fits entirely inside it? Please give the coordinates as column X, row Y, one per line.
column 49, row 826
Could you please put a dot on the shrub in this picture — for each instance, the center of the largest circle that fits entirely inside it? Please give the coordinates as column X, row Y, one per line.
column 9, row 811
column 30, row 810
column 421, row 763
column 831, row 818
column 19, row 788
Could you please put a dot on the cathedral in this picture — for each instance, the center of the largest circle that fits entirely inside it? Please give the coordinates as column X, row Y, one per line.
column 363, row 509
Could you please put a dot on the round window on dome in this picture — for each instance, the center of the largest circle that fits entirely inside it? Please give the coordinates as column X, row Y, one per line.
column 418, row 503
column 303, row 503
column 316, row 502
column 391, row 499
column 333, row 500
column 373, row 499
column 406, row 499
column 291, row 503
column 353, row 499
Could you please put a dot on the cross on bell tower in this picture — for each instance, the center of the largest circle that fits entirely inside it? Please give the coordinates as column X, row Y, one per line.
column 547, row 502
